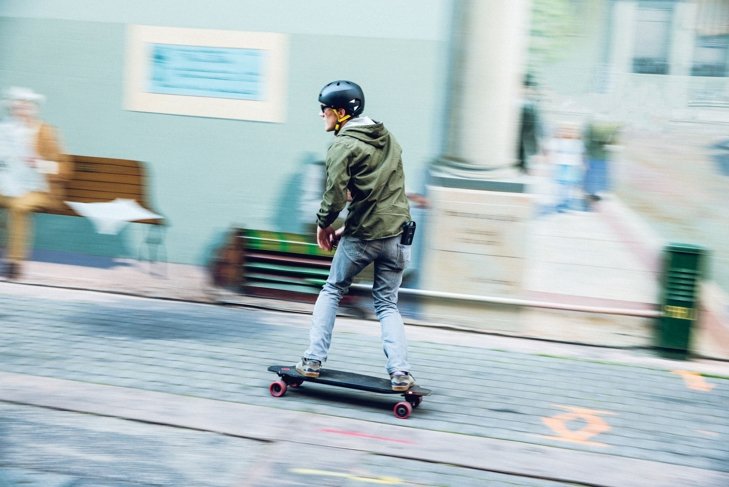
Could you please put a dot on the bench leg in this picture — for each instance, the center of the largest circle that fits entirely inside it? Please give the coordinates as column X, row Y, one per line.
column 154, row 242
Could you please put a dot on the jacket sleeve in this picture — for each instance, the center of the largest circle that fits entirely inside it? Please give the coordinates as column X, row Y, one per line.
column 335, row 191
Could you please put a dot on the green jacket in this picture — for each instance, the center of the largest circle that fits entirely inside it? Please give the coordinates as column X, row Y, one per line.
column 598, row 136
column 366, row 160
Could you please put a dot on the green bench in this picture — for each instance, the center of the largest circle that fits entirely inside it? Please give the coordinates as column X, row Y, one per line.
column 279, row 265
column 282, row 265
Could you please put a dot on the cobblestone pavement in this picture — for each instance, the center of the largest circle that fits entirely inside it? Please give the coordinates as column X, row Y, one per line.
column 630, row 410
column 50, row 448
column 62, row 449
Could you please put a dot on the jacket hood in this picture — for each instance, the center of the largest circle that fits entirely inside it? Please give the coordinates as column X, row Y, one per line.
column 366, row 130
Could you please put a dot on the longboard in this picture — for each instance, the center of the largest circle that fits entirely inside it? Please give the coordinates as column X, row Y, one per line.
column 289, row 377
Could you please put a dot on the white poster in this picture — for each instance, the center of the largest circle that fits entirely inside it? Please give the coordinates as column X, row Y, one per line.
column 206, row 73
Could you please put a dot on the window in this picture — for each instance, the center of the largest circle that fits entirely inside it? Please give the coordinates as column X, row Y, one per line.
column 652, row 38
column 711, row 51
column 711, row 56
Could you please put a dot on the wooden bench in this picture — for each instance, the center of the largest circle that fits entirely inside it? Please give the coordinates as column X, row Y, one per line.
column 279, row 265
column 99, row 179
column 103, row 179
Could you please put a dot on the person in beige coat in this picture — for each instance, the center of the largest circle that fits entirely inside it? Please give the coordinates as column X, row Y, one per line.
column 33, row 170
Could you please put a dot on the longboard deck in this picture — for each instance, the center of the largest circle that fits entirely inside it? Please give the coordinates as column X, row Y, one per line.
column 350, row 380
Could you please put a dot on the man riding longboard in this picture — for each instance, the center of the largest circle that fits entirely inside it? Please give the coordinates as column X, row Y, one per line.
column 365, row 161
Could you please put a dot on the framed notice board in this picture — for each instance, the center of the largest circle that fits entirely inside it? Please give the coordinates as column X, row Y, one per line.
column 206, row 73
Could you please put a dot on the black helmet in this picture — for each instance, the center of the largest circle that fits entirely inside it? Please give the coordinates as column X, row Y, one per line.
column 343, row 94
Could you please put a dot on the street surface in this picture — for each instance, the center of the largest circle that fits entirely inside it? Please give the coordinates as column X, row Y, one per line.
column 108, row 390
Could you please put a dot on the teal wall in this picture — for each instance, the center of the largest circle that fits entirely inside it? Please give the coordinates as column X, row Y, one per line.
column 208, row 174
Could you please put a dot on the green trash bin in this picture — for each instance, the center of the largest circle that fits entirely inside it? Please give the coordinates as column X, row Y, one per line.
column 681, row 276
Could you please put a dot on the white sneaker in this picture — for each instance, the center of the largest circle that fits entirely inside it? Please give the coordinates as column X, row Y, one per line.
column 401, row 381
column 308, row 367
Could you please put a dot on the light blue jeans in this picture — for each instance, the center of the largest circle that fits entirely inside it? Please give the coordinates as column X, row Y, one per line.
column 568, row 182
column 596, row 176
column 390, row 260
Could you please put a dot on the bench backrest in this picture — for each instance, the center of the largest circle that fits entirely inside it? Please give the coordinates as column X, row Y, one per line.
column 98, row 179
column 282, row 242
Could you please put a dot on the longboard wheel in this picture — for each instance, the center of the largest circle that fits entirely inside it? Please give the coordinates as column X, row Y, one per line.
column 278, row 388
column 402, row 410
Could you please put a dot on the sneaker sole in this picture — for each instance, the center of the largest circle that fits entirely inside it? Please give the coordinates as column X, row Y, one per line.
column 401, row 388
column 313, row 375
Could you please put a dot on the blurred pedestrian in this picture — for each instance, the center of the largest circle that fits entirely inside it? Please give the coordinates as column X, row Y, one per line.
column 364, row 159
column 530, row 126
column 599, row 137
column 32, row 171
column 566, row 152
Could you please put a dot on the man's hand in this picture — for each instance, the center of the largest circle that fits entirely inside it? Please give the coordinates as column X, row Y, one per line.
column 326, row 237
column 419, row 200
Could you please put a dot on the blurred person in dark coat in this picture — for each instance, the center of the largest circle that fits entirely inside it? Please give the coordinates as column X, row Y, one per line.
column 530, row 126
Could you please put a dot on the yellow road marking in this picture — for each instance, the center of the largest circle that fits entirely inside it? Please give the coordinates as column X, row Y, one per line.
column 595, row 425
column 348, row 476
column 694, row 380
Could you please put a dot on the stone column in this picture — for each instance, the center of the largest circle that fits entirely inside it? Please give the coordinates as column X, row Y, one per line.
column 476, row 234
column 489, row 46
